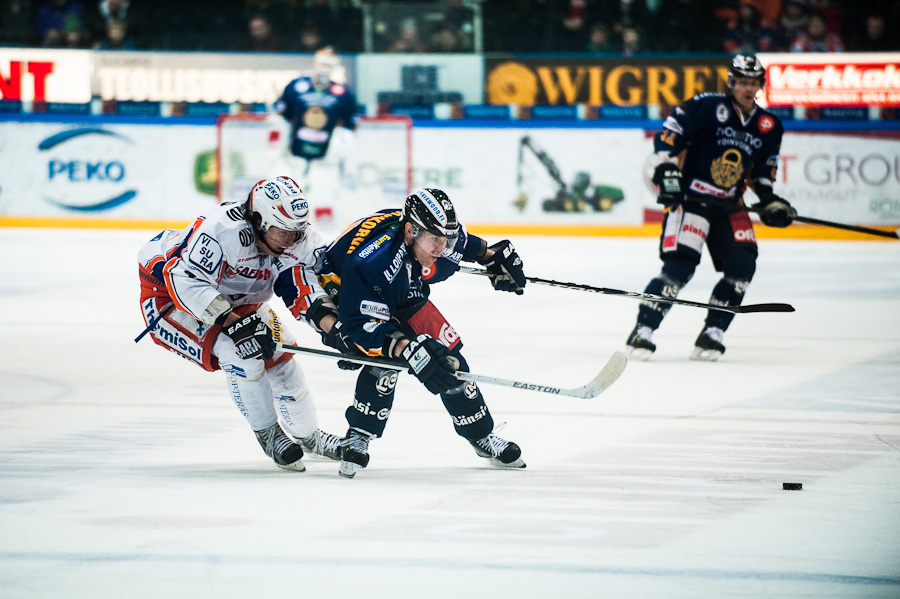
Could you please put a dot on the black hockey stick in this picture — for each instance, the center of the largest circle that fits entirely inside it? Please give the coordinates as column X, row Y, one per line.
column 154, row 322
column 798, row 218
column 647, row 297
column 600, row 383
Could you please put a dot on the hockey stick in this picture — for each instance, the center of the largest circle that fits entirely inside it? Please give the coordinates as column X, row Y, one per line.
column 154, row 322
column 648, row 297
column 798, row 218
column 600, row 383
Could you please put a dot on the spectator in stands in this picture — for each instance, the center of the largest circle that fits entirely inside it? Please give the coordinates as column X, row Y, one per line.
column 685, row 26
column 598, row 39
column 816, row 37
column 117, row 37
column 310, row 38
column 17, row 23
column 875, row 36
column 748, row 34
column 59, row 21
column 262, row 37
column 792, row 23
column 446, row 39
column 409, row 41
column 107, row 11
column 631, row 41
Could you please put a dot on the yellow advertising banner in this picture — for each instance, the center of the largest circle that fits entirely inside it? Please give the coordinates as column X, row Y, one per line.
column 596, row 82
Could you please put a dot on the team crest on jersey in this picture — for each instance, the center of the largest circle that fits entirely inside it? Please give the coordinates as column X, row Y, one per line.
column 315, row 117
column 726, row 170
column 766, row 124
column 722, row 113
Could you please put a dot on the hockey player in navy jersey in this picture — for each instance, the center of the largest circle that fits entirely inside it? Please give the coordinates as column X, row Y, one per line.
column 320, row 108
column 379, row 272
column 721, row 142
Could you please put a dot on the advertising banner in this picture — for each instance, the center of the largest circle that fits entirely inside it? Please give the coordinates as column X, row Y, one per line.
column 832, row 79
column 596, row 82
column 40, row 75
column 199, row 77
column 106, row 171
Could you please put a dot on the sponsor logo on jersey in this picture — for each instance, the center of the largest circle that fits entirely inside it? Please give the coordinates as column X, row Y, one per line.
column 471, row 390
column 366, row 226
column 390, row 273
column 705, row 188
column 370, row 249
column 206, row 254
column 729, row 136
column 722, row 113
column 386, row 382
column 745, row 235
column 766, row 124
column 366, row 410
column 375, row 310
column 448, row 335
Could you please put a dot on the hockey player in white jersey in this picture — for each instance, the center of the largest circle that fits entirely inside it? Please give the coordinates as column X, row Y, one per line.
column 203, row 296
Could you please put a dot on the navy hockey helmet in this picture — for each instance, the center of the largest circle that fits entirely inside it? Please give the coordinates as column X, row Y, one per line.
column 746, row 65
column 278, row 202
column 429, row 209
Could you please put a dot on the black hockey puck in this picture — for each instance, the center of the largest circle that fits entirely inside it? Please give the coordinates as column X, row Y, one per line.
column 792, row 486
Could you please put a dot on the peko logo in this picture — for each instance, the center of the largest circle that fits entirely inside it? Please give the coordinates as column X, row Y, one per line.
column 87, row 169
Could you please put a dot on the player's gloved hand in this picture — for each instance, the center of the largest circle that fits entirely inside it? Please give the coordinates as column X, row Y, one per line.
column 252, row 338
column 432, row 364
column 339, row 340
column 667, row 177
column 505, row 268
column 776, row 211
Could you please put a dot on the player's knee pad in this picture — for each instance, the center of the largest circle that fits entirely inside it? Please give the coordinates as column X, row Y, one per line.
column 373, row 399
column 740, row 264
column 677, row 271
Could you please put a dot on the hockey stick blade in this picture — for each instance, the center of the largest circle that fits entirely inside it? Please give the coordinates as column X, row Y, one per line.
column 647, row 297
column 600, row 383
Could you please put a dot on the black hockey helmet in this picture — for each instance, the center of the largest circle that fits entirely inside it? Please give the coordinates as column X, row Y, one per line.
column 429, row 209
column 746, row 65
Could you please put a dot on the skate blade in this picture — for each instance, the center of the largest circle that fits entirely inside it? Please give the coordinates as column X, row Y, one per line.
column 638, row 353
column 348, row 469
column 705, row 355
column 297, row 466
column 517, row 464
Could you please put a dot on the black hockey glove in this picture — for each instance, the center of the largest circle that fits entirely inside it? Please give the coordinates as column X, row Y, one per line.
column 505, row 268
column 340, row 341
column 431, row 363
column 252, row 338
column 667, row 177
column 776, row 211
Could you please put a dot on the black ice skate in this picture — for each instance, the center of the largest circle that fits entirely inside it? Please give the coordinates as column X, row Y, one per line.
column 354, row 452
column 280, row 448
column 501, row 452
column 639, row 345
column 321, row 444
column 708, row 345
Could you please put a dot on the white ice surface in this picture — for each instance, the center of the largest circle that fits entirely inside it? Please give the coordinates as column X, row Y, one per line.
column 127, row 472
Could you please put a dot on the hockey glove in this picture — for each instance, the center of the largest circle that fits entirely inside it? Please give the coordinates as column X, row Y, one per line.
column 340, row 341
column 505, row 268
column 431, row 363
column 252, row 338
column 667, row 177
column 776, row 211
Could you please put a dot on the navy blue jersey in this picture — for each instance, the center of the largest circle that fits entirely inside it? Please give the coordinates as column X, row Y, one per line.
column 377, row 283
column 314, row 114
column 721, row 150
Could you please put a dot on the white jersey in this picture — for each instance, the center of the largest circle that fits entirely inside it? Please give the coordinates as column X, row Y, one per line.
column 217, row 255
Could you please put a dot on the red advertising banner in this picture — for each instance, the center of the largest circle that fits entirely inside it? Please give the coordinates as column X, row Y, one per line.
column 832, row 79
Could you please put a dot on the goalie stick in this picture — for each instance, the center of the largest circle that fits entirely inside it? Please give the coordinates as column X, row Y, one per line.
column 649, row 297
column 600, row 383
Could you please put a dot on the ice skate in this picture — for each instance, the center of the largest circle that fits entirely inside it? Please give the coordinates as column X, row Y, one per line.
column 708, row 345
column 354, row 452
column 280, row 448
column 639, row 345
column 321, row 445
column 499, row 451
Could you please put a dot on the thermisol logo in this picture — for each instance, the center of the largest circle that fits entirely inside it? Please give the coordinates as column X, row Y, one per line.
column 87, row 169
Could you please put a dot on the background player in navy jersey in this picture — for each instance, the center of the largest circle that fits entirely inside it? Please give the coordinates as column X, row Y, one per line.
column 378, row 273
column 320, row 108
column 722, row 142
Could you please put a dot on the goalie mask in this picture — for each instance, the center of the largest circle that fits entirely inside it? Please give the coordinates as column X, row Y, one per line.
column 280, row 203
column 746, row 65
column 430, row 210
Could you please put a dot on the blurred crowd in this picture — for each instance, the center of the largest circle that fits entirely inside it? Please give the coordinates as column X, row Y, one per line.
column 614, row 27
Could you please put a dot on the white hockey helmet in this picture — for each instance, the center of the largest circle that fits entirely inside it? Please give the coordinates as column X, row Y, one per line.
column 327, row 67
column 279, row 202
